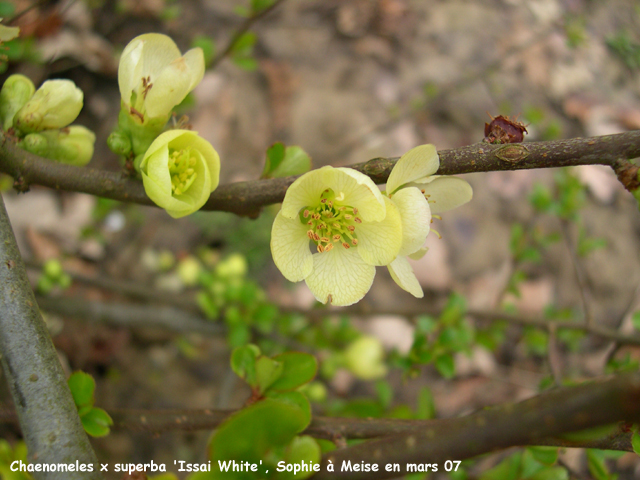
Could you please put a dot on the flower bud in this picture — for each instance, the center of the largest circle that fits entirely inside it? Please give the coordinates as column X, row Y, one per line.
column 55, row 104
column 364, row 358
column 179, row 172
column 233, row 266
column 72, row 145
column 15, row 93
column 189, row 270
column 119, row 143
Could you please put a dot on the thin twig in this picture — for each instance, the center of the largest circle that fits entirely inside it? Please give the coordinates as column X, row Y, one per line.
column 246, row 25
column 580, row 274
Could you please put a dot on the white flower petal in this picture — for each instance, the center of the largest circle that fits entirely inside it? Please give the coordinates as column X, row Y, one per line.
column 358, row 190
column 446, row 193
column 290, row 248
column 379, row 242
column 403, row 275
column 130, row 68
column 158, row 51
column 304, row 192
column 340, row 276
column 194, row 59
column 416, row 218
column 418, row 162
column 418, row 254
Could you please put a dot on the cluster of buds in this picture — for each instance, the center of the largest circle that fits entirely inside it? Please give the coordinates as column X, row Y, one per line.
column 40, row 119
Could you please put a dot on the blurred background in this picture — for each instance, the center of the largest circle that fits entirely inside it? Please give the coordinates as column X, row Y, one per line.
column 347, row 80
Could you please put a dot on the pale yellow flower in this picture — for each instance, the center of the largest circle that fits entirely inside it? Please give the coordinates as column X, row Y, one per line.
column 352, row 227
column 419, row 194
column 153, row 77
column 179, row 171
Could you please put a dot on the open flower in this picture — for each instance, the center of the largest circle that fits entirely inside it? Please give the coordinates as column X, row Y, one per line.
column 55, row 104
column 179, row 172
column 349, row 223
column 419, row 194
column 153, row 77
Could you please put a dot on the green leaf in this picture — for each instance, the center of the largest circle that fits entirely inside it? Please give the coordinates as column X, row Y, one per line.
column 446, row 366
column 545, row 455
column 250, row 433
column 246, row 63
column 96, row 422
column 508, row 469
column 301, row 449
column 635, row 441
column 552, row 473
column 243, row 363
column 82, row 386
column 275, row 155
column 454, row 310
column 295, row 162
column 298, row 368
column 295, row 399
column 268, row 371
column 635, row 319
column 426, row 409
column 385, row 392
column 536, row 340
column 597, row 465
column 591, row 434
column 208, row 46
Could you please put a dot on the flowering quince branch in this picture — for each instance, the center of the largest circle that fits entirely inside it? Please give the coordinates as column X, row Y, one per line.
column 248, row 198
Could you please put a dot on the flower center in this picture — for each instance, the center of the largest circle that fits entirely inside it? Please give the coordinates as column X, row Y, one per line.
column 181, row 169
column 330, row 223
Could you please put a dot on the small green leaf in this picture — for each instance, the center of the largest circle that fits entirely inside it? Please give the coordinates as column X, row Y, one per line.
column 508, row 469
column 249, row 433
column 96, row 422
column 208, row 47
column 545, row 455
column 552, row 473
column 275, row 155
column 295, row 162
column 82, row 386
column 597, row 465
column 298, row 368
column 301, row 449
column 635, row 441
column 635, row 319
column 446, row 366
column 243, row 363
column 246, row 63
column 295, row 399
column 268, row 371
column 385, row 393
column 426, row 409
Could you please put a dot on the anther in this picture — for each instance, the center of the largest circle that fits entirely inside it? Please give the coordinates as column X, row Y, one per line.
column 346, row 245
column 306, row 214
column 328, row 247
column 354, row 241
column 357, row 220
column 320, row 248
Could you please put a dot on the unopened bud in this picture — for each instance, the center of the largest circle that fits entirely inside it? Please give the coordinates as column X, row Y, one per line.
column 55, row 104
column 16, row 92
